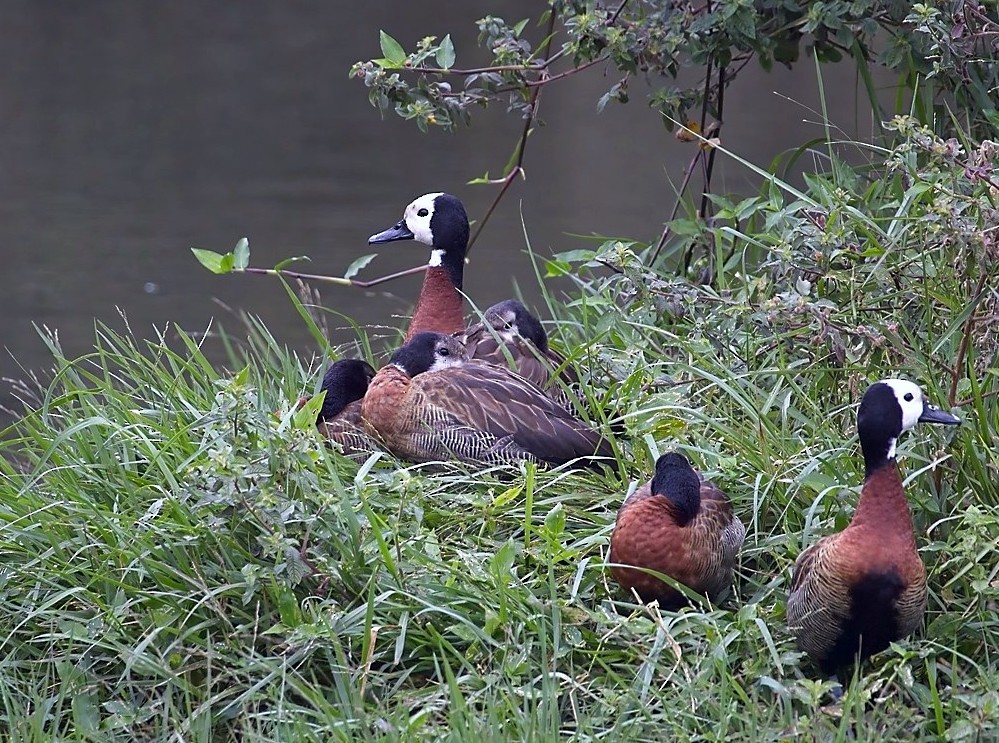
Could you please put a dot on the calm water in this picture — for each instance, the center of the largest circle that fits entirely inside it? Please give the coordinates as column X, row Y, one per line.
column 133, row 131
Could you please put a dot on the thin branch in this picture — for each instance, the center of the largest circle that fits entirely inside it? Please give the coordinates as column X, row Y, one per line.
column 545, row 79
column 676, row 205
column 616, row 14
column 539, row 67
column 340, row 281
column 962, row 351
column 518, row 167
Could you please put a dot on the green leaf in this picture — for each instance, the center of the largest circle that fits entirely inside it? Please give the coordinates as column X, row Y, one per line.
column 357, row 265
column 241, row 254
column 288, row 261
column 392, row 49
column 291, row 615
column 214, row 262
column 445, row 53
column 305, row 417
column 502, row 562
column 518, row 27
column 86, row 716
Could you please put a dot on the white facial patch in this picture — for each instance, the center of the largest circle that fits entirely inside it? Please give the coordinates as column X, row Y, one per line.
column 418, row 216
column 891, row 448
column 910, row 399
column 448, row 355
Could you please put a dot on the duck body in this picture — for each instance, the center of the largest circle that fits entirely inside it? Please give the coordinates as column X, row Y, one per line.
column 679, row 525
column 855, row 592
column 339, row 419
column 432, row 403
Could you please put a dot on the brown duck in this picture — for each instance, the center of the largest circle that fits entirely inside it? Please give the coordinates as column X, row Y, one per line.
column 854, row 592
column 681, row 526
column 431, row 403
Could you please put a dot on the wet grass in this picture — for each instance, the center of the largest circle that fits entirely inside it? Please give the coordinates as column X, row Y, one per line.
column 183, row 559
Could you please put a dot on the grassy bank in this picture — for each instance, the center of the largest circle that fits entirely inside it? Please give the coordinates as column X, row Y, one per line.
column 182, row 559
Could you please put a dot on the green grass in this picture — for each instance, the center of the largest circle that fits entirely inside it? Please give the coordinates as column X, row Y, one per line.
column 183, row 559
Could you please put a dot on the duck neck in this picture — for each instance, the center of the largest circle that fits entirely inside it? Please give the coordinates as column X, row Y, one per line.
column 882, row 500
column 684, row 497
column 440, row 306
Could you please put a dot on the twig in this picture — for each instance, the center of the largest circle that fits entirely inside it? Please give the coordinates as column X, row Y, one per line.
column 545, row 79
column 968, row 401
column 518, row 167
column 962, row 349
column 475, row 70
column 676, row 205
column 614, row 16
column 340, row 281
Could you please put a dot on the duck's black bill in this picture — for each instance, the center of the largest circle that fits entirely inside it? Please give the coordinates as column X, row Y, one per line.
column 399, row 232
column 936, row 415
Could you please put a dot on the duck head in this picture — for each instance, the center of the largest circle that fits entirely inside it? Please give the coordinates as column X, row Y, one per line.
column 426, row 352
column 677, row 481
column 344, row 382
column 513, row 318
column 890, row 408
column 438, row 220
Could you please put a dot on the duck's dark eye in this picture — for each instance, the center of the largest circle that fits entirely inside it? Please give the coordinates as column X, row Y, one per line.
column 422, row 213
column 908, row 397
column 444, row 352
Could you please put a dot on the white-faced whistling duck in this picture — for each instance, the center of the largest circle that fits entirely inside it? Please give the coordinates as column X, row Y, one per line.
column 431, row 403
column 679, row 525
column 854, row 592
column 438, row 220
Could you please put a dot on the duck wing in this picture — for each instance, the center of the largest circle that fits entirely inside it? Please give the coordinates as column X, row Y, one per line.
column 503, row 405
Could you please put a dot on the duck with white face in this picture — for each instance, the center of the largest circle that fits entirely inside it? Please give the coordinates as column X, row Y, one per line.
column 855, row 592
column 438, row 220
column 509, row 334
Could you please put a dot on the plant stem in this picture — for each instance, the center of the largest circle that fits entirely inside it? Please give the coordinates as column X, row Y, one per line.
column 518, row 167
column 339, row 280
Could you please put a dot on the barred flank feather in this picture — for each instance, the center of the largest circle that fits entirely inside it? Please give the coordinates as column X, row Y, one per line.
column 348, row 431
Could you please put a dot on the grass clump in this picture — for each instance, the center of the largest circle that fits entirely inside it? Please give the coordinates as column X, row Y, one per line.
column 184, row 559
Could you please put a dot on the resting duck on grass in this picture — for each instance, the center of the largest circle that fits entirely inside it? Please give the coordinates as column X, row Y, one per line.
column 439, row 220
column 339, row 419
column 432, row 403
column 509, row 335
column 855, row 592
column 681, row 526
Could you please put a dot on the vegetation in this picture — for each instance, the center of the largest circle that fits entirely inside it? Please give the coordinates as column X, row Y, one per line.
column 184, row 559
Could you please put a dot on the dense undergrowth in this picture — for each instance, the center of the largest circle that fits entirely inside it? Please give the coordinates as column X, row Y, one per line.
column 182, row 557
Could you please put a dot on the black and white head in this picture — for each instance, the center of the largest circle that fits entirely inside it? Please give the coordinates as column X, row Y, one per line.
column 890, row 408
column 435, row 219
column 427, row 352
column 677, row 481
column 344, row 382
column 512, row 317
